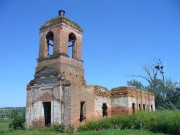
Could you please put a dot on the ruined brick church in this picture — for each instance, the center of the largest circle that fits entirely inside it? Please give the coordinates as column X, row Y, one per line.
column 58, row 94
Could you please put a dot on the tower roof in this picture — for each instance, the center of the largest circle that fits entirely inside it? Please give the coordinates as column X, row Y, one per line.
column 59, row 20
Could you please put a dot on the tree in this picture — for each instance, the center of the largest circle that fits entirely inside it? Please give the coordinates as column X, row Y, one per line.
column 174, row 98
column 136, row 84
column 14, row 113
column 167, row 96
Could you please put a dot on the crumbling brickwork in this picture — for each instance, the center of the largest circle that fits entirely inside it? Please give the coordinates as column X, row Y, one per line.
column 58, row 93
column 125, row 99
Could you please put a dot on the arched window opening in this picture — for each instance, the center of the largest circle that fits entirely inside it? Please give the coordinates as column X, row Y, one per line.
column 71, row 44
column 104, row 110
column 50, row 43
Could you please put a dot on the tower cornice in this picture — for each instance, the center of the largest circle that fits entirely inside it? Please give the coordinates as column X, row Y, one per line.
column 59, row 21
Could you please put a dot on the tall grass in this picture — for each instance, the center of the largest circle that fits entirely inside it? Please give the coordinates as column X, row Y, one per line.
column 54, row 130
column 159, row 121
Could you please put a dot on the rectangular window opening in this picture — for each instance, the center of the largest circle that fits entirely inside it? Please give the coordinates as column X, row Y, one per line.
column 62, row 112
column 151, row 107
column 144, row 107
column 82, row 111
column 133, row 107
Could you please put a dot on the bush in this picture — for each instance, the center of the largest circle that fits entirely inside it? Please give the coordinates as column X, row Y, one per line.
column 70, row 130
column 58, row 128
column 17, row 123
column 115, row 122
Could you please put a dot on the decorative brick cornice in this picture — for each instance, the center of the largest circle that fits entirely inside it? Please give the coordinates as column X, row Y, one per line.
column 127, row 91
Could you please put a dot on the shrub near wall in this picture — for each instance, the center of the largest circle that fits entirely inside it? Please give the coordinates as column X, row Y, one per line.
column 121, row 122
column 159, row 121
column 17, row 123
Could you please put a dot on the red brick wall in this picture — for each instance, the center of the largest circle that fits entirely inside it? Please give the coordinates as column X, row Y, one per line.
column 78, row 94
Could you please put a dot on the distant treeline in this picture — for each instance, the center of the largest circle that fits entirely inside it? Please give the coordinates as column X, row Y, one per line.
column 11, row 112
column 21, row 108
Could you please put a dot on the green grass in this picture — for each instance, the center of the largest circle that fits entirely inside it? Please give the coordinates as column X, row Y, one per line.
column 118, row 132
column 4, row 130
column 32, row 131
column 43, row 131
column 4, row 124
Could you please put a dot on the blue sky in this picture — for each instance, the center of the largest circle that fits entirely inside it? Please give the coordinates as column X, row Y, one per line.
column 119, row 37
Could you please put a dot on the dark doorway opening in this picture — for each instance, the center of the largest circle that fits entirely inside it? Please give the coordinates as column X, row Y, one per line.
column 47, row 113
column 82, row 111
column 104, row 109
column 140, row 107
column 133, row 107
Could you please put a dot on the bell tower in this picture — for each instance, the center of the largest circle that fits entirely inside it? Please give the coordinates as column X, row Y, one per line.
column 61, row 48
column 59, row 72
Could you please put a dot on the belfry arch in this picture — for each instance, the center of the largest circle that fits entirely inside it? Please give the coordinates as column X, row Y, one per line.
column 49, row 43
column 71, row 45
